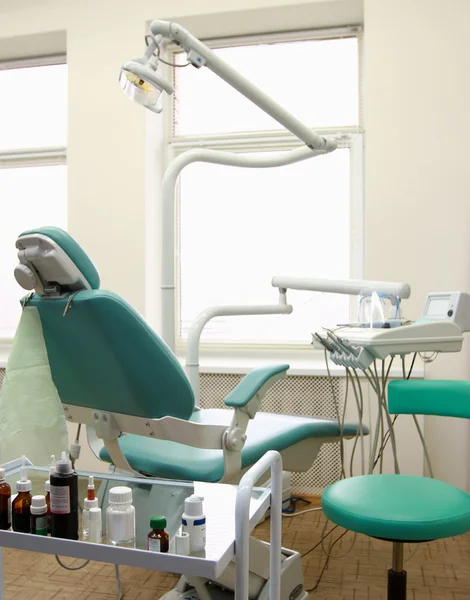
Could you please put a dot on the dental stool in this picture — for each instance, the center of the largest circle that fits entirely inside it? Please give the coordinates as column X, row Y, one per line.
column 402, row 508
column 114, row 374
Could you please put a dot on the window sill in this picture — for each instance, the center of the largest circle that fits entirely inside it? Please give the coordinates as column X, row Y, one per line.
column 314, row 365
column 306, row 364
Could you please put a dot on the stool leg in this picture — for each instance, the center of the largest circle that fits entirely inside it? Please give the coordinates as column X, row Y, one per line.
column 397, row 575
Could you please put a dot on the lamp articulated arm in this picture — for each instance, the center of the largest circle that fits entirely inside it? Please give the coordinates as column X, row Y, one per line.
column 200, row 55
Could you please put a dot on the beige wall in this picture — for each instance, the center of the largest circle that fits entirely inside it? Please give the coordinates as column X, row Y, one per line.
column 417, row 213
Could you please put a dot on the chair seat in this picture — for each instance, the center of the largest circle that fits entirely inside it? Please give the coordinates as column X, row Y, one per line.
column 398, row 507
column 265, row 432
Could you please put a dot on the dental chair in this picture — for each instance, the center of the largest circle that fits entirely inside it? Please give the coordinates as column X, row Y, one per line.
column 114, row 374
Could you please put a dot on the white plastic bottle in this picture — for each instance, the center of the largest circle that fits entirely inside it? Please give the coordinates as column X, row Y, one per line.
column 87, row 506
column 120, row 517
column 194, row 522
column 94, row 531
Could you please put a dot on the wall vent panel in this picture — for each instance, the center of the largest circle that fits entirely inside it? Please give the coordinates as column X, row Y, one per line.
column 297, row 395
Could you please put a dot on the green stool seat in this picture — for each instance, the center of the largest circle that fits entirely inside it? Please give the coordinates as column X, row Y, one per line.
column 398, row 507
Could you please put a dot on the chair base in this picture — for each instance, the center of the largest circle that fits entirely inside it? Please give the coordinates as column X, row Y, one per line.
column 396, row 585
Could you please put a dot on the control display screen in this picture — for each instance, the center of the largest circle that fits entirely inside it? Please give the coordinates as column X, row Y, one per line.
column 438, row 307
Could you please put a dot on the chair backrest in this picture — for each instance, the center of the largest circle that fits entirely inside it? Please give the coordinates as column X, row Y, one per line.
column 443, row 398
column 102, row 353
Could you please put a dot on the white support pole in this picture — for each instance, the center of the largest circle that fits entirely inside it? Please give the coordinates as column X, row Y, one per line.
column 197, row 327
column 272, row 460
column 170, row 179
column 342, row 286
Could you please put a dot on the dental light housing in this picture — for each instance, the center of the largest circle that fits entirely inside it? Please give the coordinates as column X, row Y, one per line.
column 141, row 82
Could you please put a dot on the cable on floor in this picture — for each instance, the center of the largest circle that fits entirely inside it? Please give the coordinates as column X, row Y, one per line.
column 71, row 568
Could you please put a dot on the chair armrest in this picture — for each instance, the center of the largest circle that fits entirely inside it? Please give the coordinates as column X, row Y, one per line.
column 253, row 383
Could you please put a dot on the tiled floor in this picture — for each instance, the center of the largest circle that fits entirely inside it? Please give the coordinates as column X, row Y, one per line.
column 438, row 570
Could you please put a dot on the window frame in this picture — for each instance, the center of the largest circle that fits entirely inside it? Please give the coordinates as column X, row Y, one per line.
column 35, row 156
column 351, row 137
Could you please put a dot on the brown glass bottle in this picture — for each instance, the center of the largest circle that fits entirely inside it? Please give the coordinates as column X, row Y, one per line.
column 21, row 512
column 158, row 539
column 5, row 502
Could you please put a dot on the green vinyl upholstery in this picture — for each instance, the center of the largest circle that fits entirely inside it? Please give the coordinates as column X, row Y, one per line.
column 73, row 250
column 398, row 507
column 265, row 432
column 404, row 507
column 251, row 384
column 104, row 356
column 445, row 398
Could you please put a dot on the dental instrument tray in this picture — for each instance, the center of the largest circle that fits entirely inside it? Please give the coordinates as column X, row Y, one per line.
column 416, row 337
column 445, row 318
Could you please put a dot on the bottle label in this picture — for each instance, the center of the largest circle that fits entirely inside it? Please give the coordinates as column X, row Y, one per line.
column 9, row 510
column 153, row 545
column 60, row 499
column 41, row 525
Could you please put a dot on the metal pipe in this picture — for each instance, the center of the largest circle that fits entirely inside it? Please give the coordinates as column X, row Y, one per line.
column 273, row 461
column 197, row 327
column 232, row 159
column 342, row 286
column 243, row 85
column 397, row 557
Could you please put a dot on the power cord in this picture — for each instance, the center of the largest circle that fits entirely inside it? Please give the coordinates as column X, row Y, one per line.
column 157, row 56
column 71, row 568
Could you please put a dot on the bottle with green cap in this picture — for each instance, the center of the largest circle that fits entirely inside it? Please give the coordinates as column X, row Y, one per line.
column 158, row 539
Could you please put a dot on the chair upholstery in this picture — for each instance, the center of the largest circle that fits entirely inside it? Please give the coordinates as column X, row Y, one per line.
column 398, row 507
column 265, row 432
column 103, row 356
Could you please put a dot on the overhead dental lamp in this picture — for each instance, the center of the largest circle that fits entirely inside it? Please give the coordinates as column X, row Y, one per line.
column 141, row 81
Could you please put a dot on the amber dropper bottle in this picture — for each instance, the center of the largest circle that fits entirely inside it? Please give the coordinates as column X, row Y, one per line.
column 5, row 502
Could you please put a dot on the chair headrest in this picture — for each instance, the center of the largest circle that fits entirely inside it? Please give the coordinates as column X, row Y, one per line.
column 51, row 260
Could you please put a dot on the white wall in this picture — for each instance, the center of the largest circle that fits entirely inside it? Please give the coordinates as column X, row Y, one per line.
column 417, row 217
column 417, row 214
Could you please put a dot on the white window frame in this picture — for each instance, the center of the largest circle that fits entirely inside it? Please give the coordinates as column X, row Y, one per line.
column 30, row 157
column 264, row 141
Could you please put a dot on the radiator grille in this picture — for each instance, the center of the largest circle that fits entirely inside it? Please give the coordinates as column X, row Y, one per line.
column 2, row 375
column 299, row 395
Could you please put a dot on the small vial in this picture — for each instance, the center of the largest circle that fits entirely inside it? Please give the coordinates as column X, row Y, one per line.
column 91, row 488
column 5, row 502
column 194, row 522
column 158, row 539
column 94, row 528
column 87, row 506
column 39, row 515
column 21, row 505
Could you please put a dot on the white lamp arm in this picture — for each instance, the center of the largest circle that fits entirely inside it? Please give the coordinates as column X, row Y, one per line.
column 200, row 55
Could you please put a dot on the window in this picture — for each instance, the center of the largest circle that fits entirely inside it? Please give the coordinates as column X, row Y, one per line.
column 240, row 227
column 33, row 122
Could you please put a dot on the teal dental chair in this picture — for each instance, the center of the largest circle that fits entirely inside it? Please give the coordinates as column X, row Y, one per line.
column 404, row 508
column 114, row 374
